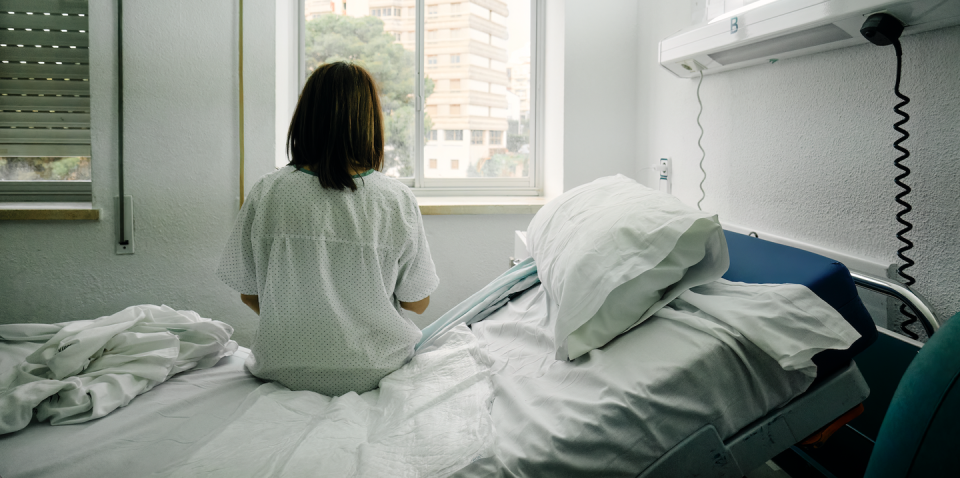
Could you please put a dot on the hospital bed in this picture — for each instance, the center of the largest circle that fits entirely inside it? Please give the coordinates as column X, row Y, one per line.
column 650, row 405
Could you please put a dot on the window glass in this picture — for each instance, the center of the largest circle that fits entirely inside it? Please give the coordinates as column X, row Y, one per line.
column 377, row 37
column 481, row 96
column 484, row 86
column 454, row 164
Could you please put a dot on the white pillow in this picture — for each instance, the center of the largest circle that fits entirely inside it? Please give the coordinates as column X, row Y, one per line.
column 612, row 252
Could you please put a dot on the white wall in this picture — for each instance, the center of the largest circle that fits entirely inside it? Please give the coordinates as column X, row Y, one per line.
column 803, row 148
column 181, row 167
column 600, row 90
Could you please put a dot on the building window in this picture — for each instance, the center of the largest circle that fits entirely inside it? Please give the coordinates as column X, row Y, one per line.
column 46, row 153
column 433, row 164
column 454, row 164
column 483, row 124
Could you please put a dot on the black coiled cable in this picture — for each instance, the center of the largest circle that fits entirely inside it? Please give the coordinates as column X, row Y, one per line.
column 906, row 208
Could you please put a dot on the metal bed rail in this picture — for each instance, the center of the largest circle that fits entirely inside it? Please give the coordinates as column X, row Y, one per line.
column 898, row 291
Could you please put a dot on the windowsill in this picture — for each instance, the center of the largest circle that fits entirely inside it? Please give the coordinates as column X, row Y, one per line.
column 48, row 211
column 439, row 206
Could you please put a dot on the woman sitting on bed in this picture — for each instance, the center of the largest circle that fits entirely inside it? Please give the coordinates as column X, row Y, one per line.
column 328, row 249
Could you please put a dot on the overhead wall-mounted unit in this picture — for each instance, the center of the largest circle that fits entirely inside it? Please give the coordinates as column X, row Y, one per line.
column 772, row 30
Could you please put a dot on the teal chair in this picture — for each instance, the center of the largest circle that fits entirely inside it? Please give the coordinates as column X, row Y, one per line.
column 920, row 434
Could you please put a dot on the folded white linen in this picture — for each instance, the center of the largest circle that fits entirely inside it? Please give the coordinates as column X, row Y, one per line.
column 429, row 418
column 788, row 322
column 88, row 368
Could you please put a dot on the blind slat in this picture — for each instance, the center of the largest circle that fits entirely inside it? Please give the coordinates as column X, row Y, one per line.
column 51, row 150
column 44, row 136
column 40, row 22
column 48, row 6
column 45, row 87
column 45, row 71
column 45, row 120
column 31, row 39
column 63, row 89
column 65, row 55
column 44, row 103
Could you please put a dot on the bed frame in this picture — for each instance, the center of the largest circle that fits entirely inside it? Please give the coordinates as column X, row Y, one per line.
column 704, row 454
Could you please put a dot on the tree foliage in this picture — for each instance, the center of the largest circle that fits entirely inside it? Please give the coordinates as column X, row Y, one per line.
column 363, row 41
column 42, row 168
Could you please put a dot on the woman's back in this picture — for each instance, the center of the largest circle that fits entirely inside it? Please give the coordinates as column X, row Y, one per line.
column 329, row 267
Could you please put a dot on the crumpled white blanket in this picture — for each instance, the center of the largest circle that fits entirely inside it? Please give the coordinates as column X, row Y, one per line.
column 429, row 418
column 88, row 368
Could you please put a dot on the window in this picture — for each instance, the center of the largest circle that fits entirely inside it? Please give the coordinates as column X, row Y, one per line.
column 488, row 133
column 45, row 150
column 433, row 164
column 454, row 164
column 476, row 136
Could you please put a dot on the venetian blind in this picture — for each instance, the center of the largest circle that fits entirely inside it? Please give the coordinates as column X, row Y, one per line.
column 44, row 78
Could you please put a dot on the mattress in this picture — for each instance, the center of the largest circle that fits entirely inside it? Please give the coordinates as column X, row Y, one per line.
column 615, row 409
column 756, row 261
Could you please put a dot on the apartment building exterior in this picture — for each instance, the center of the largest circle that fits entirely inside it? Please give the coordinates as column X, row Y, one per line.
column 465, row 50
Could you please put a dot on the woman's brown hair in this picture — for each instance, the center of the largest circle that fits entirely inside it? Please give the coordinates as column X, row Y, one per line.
column 337, row 125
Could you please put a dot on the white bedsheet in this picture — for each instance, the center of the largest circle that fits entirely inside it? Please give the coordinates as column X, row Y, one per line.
column 89, row 368
column 429, row 418
column 617, row 409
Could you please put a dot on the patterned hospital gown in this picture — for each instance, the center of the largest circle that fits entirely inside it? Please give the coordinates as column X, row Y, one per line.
column 329, row 268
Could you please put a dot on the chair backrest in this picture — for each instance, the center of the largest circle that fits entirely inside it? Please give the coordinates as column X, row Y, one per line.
column 921, row 431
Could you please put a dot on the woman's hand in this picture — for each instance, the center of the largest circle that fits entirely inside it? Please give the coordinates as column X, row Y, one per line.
column 253, row 302
column 417, row 307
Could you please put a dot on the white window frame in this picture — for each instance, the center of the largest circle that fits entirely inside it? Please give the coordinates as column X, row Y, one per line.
column 532, row 185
